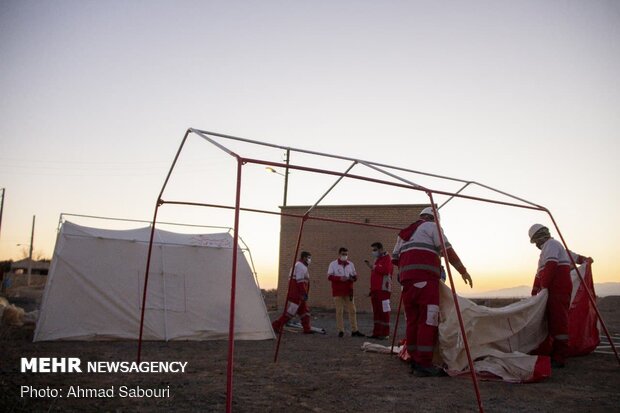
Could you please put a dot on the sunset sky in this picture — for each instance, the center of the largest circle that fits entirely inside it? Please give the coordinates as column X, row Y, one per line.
column 521, row 96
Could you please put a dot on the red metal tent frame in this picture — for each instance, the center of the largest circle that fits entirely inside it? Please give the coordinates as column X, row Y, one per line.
column 387, row 170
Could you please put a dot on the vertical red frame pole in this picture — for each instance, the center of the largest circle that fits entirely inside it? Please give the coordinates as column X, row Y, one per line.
column 233, row 288
column 290, row 281
column 590, row 296
column 474, row 378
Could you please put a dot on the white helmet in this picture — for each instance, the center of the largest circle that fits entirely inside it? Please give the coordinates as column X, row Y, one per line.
column 534, row 229
column 428, row 211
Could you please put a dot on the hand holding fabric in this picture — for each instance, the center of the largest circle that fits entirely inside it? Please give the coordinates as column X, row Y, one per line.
column 536, row 287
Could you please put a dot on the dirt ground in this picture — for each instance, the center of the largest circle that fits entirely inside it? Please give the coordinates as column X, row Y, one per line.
column 319, row 373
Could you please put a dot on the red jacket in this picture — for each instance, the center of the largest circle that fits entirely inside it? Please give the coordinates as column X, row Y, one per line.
column 300, row 282
column 556, row 278
column 417, row 252
column 381, row 274
column 554, row 268
column 337, row 270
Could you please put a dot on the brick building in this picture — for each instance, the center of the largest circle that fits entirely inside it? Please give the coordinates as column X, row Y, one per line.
column 323, row 239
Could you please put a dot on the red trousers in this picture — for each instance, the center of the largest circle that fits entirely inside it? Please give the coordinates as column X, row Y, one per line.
column 557, row 321
column 302, row 310
column 381, row 319
column 559, row 287
column 421, row 302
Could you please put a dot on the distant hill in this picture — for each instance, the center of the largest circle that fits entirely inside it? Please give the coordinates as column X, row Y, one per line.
column 512, row 292
column 602, row 290
column 605, row 289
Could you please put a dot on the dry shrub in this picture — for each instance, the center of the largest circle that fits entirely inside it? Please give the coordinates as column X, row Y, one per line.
column 13, row 316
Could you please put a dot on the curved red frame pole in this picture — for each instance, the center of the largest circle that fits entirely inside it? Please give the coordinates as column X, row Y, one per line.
column 146, row 280
column 148, row 257
column 400, row 303
column 590, row 296
column 474, row 378
column 233, row 289
column 290, row 280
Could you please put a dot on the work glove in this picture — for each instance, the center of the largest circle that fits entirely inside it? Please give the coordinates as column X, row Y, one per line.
column 304, row 297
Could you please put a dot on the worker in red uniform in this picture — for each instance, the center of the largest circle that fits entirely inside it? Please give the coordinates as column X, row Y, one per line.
column 342, row 274
column 417, row 253
column 298, row 296
column 380, row 290
column 553, row 273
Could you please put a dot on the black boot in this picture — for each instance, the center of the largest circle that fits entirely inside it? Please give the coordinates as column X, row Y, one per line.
column 432, row 371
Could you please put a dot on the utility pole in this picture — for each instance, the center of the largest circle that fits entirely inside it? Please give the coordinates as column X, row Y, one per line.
column 30, row 253
column 1, row 209
column 2, row 206
column 288, row 159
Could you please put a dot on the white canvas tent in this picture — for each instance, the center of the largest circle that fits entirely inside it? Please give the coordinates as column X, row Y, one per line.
column 95, row 285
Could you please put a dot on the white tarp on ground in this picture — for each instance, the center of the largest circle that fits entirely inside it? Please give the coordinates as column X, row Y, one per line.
column 498, row 338
column 94, row 288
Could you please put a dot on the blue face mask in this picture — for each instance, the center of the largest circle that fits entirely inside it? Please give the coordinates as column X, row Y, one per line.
column 375, row 254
